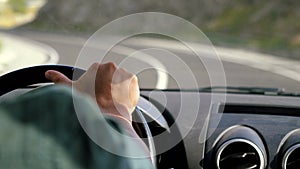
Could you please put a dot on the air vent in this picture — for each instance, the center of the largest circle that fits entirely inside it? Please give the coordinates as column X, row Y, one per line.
column 240, row 147
column 289, row 154
column 291, row 159
column 239, row 154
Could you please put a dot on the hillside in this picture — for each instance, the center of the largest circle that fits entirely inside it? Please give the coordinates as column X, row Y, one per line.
column 270, row 27
column 267, row 26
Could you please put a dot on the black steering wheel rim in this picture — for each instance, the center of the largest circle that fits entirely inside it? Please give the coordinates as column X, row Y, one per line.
column 25, row 77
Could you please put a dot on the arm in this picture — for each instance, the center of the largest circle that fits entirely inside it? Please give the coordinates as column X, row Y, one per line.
column 115, row 90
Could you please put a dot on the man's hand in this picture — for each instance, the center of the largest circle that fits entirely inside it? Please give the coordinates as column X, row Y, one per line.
column 115, row 90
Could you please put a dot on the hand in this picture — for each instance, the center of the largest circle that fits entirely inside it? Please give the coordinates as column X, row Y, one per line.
column 115, row 90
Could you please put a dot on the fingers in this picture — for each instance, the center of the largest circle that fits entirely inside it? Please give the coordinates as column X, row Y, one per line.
column 57, row 77
column 108, row 69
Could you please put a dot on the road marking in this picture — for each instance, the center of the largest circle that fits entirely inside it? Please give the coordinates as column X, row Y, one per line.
column 282, row 66
column 16, row 53
column 162, row 76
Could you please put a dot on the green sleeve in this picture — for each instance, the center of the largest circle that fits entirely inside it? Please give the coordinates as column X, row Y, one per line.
column 42, row 129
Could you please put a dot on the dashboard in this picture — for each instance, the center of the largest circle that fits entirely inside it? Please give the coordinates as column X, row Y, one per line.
column 245, row 132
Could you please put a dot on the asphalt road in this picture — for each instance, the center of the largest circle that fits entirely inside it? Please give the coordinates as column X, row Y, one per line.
column 177, row 73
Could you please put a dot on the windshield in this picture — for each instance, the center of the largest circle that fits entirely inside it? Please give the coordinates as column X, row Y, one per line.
column 169, row 45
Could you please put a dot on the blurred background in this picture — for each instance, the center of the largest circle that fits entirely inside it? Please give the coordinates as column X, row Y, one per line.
column 267, row 26
column 261, row 26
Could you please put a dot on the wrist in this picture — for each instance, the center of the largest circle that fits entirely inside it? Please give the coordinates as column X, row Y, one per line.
column 119, row 117
column 117, row 110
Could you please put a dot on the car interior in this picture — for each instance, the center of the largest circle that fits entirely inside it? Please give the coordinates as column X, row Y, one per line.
column 225, row 97
column 242, row 132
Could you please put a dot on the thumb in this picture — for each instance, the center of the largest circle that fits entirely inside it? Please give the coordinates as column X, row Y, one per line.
column 57, row 77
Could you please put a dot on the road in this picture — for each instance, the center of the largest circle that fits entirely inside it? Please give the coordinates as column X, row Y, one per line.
column 239, row 72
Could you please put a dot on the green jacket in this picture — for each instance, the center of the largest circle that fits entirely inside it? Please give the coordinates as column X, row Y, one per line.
column 41, row 130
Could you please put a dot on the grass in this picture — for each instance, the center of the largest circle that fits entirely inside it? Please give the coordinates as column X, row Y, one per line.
column 269, row 27
column 265, row 27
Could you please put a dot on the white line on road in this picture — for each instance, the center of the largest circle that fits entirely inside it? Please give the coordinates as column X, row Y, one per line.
column 282, row 66
column 162, row 76
column 18, row 52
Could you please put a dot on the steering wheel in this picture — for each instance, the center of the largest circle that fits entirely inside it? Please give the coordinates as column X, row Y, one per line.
column 25, row 77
